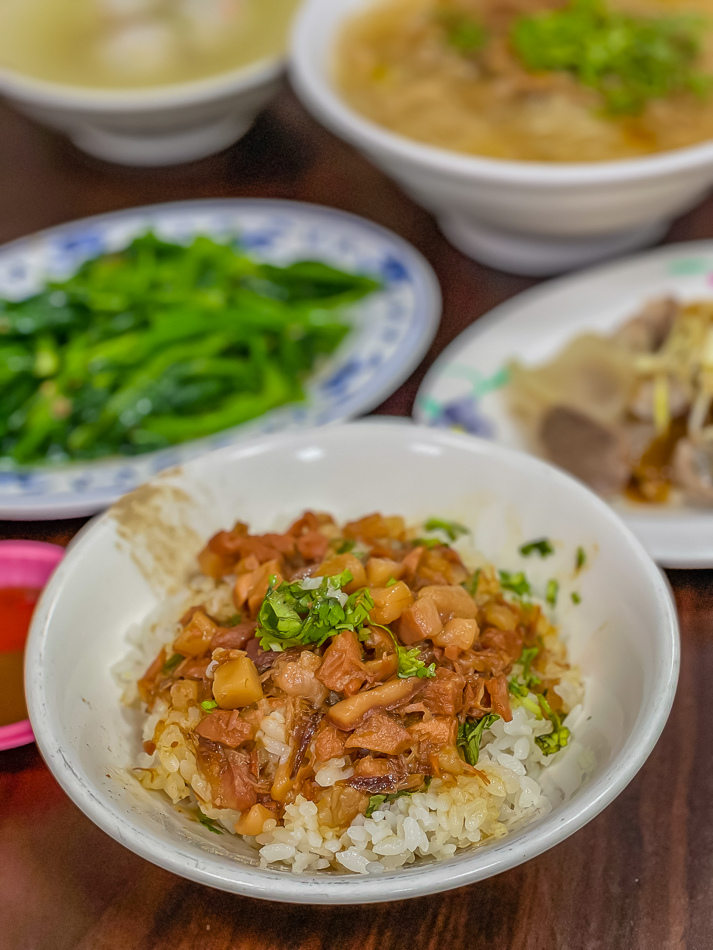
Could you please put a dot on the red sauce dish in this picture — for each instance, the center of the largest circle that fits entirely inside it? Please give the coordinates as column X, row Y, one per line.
column 25, row 568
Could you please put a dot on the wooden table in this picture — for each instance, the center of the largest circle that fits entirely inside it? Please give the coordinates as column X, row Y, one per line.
column 639, row 877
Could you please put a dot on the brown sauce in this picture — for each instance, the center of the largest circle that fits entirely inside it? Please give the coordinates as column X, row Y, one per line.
column 17, row 605
column 651, row 477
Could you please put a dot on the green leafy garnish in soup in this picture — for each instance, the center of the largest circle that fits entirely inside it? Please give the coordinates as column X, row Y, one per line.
column 130, row 43
column 464, row 33
column 629, row 60
column 535, row 80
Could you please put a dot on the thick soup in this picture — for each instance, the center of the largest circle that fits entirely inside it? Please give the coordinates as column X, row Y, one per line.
column 129, row 43
column 535, row 80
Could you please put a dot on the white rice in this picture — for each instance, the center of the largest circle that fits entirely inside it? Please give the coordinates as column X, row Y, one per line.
column 462, row 812
column 434, row 823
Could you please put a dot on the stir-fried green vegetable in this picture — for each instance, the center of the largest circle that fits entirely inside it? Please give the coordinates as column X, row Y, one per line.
column 161, row 343
column 629, row 60
column 470, row 734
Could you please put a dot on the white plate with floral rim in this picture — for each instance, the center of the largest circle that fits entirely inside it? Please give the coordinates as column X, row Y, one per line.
column 465, row 387
column 391, row 329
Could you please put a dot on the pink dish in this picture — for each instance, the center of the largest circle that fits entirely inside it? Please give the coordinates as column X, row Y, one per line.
column 25, row 564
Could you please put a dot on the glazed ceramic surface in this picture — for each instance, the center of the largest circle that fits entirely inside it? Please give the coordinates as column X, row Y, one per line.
column 526, row 217
column 465, row 388
column 161, row 126
column 392, row 328
column 623, row 634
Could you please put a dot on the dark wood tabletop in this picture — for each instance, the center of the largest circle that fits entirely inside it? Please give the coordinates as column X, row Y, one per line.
column 638, row 877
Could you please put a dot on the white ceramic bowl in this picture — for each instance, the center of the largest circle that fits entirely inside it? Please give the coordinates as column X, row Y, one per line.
column 623, row 634
column 527, row 217
column 153, row 126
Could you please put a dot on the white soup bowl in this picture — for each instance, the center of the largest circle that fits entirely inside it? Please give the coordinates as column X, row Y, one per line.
column 164, row 125
column 527, row 217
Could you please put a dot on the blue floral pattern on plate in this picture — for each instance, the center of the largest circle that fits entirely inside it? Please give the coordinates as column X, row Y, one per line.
column 463, row 414
column 392, row 329
column 459, row 406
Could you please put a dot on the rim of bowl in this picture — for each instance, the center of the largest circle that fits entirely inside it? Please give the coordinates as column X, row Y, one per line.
column 307, row 57
column 18, row 85
column 424, row 879
column 16, row 734
column 21, row 549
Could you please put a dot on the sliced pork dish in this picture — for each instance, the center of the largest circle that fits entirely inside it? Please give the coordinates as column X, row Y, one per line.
column 630, row 413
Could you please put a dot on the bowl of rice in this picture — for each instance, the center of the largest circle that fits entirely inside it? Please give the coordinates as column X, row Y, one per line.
column 354, row 664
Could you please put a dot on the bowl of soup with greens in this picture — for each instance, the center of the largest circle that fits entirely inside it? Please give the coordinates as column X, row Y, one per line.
column 143, row 81
column 544, row 133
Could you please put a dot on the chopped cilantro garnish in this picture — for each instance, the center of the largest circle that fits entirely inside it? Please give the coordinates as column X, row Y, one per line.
column 517, row 583
column 558, row 738
column 171, row 663
column 427, row 543
column 576, row 598
column 527, row 658
column 553, row 741
column 471, row 585
column 377, row 800
column 208, row 705
column 411, row 664
column 552, row 592
column 451, row 529
column 470, row 734
column 521, row 694
column 391, row 581
column 210, row 823
column 581, row 558
column 297, row 615
column 628, row 59
column 346, row 546
column 543, row 547
column 233, row 621
column 463, row 33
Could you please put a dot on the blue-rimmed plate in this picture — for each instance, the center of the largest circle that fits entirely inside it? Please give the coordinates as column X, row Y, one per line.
column 391, row 330
column 465, row 387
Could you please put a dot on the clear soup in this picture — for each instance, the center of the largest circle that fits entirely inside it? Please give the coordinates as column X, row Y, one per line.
column 136, row 43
